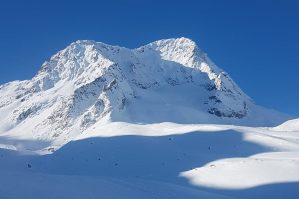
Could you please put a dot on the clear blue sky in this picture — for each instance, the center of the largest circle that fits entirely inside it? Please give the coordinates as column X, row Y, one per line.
column 256, row 42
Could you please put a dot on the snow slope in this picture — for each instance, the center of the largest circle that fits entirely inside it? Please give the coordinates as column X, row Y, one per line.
column 291, row 125
column 163, row 160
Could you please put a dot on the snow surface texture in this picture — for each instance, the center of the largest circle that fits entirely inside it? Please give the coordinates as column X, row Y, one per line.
column 159, row 121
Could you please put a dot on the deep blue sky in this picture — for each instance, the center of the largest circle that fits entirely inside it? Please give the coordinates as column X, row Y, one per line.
column 256, row 42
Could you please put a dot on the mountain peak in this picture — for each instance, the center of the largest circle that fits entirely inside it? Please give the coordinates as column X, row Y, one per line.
column 181, row 41
column 174, row 44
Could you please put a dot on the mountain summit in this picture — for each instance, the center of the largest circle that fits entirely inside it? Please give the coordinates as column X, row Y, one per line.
column 90, row 83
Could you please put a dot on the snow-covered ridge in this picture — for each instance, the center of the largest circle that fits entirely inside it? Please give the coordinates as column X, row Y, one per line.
column 90, row 83
column 291, row 125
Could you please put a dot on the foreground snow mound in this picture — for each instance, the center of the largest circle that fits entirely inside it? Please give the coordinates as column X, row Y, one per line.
column 291, row 125
column 164, row 160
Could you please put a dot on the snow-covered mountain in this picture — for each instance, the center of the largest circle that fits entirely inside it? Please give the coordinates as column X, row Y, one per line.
column 160, row 121
column 90, row 83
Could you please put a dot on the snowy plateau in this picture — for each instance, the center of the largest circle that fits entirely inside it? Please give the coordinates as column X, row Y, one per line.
column 161, row 121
